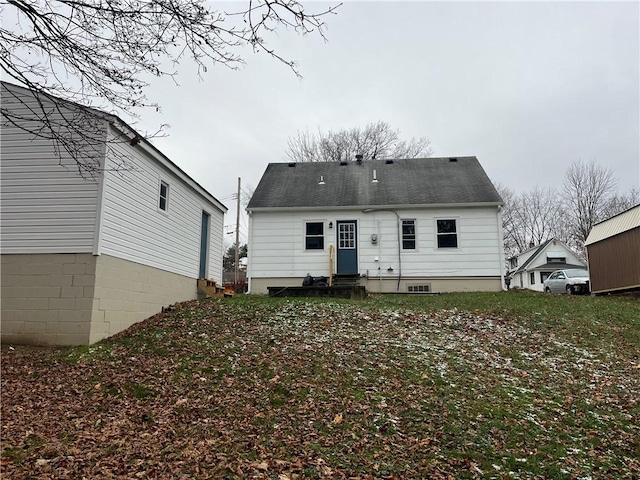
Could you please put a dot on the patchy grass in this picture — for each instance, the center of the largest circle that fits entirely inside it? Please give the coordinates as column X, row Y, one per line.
column 504, row 385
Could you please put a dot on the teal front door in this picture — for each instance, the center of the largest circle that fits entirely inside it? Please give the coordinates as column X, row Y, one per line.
column 347, row 257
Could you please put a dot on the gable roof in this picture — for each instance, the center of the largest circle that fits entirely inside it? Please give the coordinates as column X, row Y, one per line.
column 538, row 250
column 414, row 181
column 627, row 220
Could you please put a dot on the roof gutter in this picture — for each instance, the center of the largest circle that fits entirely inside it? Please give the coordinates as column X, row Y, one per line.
column 371, row 207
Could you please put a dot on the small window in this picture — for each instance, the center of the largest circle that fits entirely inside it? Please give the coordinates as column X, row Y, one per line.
column 314, row 236
column 164, row 197
column 557, row 259
column 447, row 234
column 408, row 234
column 426, row 288
column 532, row 277
column 514, row 262
column 347, row 236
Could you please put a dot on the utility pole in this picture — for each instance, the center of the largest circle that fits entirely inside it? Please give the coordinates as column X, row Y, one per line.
column 237, row 263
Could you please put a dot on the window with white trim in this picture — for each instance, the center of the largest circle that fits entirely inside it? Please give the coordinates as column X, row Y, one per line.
column 408, row 234
column 347, row 236
column 314, row 236
column 556, row 259
column 163, row 203
column 447, row 233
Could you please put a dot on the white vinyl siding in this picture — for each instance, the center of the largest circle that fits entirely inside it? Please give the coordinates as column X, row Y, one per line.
column 277, row 248
column 134, row 228
column 45, row 205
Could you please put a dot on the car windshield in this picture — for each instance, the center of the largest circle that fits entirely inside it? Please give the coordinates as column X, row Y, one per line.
column 577, row 273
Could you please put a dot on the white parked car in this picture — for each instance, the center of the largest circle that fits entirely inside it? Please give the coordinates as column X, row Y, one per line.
column 571, row 281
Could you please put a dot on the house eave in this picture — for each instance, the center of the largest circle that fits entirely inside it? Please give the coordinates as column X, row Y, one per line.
column 372, row 208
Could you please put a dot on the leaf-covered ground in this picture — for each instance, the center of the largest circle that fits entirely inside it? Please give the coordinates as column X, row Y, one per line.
column 392, row 387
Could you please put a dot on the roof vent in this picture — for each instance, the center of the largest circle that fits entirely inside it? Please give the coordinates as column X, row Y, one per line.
column 321, row 182
column 375, row 177
column 453, row 159
column 359, row 158
column 343, row 162
column 388, row 161
column 292, row 164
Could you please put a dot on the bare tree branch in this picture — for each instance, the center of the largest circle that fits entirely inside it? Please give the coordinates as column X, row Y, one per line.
column 101, row 53
column 376, row 140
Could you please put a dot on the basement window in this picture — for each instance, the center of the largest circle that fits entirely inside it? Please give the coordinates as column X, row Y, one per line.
column 447, row 233
column 163, row 203
column 314, row 236
column 426, row 288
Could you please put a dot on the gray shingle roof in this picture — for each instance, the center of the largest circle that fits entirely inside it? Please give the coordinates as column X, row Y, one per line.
column 416, row 181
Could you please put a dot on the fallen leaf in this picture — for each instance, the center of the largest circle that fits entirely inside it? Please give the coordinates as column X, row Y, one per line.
column 261, row 466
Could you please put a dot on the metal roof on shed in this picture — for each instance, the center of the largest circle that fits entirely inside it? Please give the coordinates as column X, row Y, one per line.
column 615, row 225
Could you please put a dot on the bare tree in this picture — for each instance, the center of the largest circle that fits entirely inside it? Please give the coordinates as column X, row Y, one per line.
column 509, row 226
column 620, row 202
column 536, row 216
column 376, row 140
column 532, row 217
column 588, row 189
column 101, row 53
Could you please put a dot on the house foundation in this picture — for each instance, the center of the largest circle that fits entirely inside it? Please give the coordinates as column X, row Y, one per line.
column 78, row 299
column 390, row 285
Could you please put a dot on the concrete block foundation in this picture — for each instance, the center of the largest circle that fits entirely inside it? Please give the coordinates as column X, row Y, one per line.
column 78, row 299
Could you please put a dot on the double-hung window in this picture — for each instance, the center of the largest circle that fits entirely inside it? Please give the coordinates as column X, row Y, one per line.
column 163, row 203
column 314, row 236
column 447, row 232
column 408, row 234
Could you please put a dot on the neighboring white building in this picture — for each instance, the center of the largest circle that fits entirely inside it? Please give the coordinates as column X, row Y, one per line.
column 531, row 268
column 411, row 225
column 86, row 256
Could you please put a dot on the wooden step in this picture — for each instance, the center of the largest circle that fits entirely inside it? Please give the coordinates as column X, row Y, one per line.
column 345, row 280
column 210, row 288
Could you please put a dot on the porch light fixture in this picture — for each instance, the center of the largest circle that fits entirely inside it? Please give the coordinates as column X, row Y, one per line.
column 330, row 224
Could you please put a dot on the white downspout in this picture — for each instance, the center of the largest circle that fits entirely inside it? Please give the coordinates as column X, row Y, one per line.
column 250, row 251
column 501, row 248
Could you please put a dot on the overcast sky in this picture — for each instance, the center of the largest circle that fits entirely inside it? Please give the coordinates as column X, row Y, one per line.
column 528, row 88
